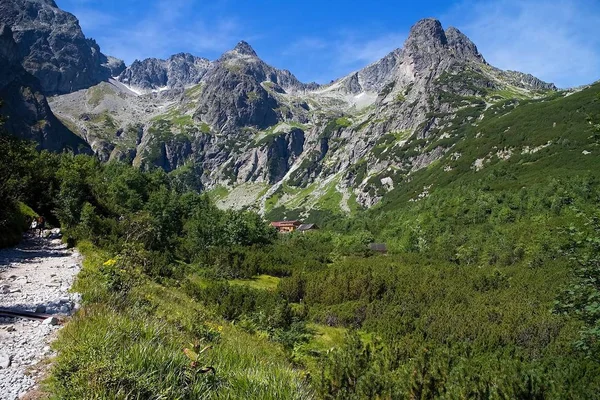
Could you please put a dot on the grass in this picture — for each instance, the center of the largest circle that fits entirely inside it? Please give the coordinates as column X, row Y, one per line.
column 325, row 338
column 175, row 117
column 129, row 344
column 218, row 193
column 204, row 127
column 252, row 96
column 262, row 282
column 193, row 92
column 507, row 94
column 353, row 204
column 343, row 122
column 300, row 196
column 17, row 223
column 272, row 201
column 96, row 94
column 331, row 199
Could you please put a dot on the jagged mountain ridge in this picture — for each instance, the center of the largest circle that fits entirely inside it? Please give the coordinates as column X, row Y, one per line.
column 258, row 133
column 184, row 70
column 240, row 120
column 54, row 49
column 179, row 70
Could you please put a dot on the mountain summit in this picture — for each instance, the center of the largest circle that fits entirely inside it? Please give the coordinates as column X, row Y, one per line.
column 239, row 122
column 54, row 48
column 245, row 49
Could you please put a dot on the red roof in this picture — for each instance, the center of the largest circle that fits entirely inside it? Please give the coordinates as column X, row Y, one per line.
column 279, row 224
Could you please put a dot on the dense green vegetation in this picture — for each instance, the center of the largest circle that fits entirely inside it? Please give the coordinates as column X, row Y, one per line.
column 489, row 289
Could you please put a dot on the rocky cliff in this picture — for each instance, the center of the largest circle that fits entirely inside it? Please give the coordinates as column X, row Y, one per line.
column 271, row 140
column 54, row 49
column 25, row 107
column 180, row 70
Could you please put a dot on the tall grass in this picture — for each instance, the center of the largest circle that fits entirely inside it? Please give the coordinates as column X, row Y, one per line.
column 130, row 346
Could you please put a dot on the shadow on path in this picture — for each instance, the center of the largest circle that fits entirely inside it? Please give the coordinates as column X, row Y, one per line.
column 30, row 250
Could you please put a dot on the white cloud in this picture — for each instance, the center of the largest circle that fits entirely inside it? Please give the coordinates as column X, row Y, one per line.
column 323, row 59
column 356, row 51
column 555, row 40
column 162, row 29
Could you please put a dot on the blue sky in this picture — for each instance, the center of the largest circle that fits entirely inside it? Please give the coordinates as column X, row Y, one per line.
column 556, row 40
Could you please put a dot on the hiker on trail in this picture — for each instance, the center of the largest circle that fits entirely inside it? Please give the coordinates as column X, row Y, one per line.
column 41, row 224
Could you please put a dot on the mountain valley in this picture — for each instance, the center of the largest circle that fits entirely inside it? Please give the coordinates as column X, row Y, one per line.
column 257, row 138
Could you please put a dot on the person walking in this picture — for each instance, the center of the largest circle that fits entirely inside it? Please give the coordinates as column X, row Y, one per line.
column 41, row 224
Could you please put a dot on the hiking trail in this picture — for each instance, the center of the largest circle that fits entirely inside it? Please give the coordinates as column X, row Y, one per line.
column 36, row 276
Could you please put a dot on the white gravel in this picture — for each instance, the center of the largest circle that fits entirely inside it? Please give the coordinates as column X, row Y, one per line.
column 34, row 276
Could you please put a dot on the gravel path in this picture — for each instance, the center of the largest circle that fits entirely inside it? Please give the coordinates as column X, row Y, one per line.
column 34, row 276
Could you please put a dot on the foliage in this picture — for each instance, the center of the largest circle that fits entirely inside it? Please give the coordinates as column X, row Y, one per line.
column 460, row 307
column 582, row 298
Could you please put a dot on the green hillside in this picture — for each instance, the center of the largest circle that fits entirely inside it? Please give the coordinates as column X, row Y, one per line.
column 489, row 288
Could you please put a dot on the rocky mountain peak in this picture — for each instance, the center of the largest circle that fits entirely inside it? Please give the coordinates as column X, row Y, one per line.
column 429, row 46
column 53, row 48
column 427, row 33
column 461, row 45
column 243, row 48
column 179, row 70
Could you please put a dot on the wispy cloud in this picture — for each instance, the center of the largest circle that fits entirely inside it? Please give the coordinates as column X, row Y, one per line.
column 345, row 52
column 165, row 28
column 354, row 50
column 556, row 40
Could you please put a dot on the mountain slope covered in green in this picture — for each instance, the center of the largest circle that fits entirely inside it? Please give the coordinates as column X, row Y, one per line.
column 489, row 288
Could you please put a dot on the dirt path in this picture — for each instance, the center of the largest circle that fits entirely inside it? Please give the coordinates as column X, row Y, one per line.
column 34, row 276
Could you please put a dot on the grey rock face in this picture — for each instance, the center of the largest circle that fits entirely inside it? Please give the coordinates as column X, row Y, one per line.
column 375, row 76
column 246, row 121
column 114, row 65
column 233, row 94
column 283, row 152
column 462, row 46
column 53, row 47
column 25, row 107
column 178, row 71
column 527, row 80
column 231, row 99
column 243, row 59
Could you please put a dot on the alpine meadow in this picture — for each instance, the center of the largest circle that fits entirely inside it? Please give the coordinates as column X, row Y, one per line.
column 427, row 227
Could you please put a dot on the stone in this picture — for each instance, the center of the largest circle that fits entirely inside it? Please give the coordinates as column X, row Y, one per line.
column 5, row 361
column 179, row 70
column 23, row 97
column 55, row 49
column 51, row 321
column 40, row 309
column 241, row 97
